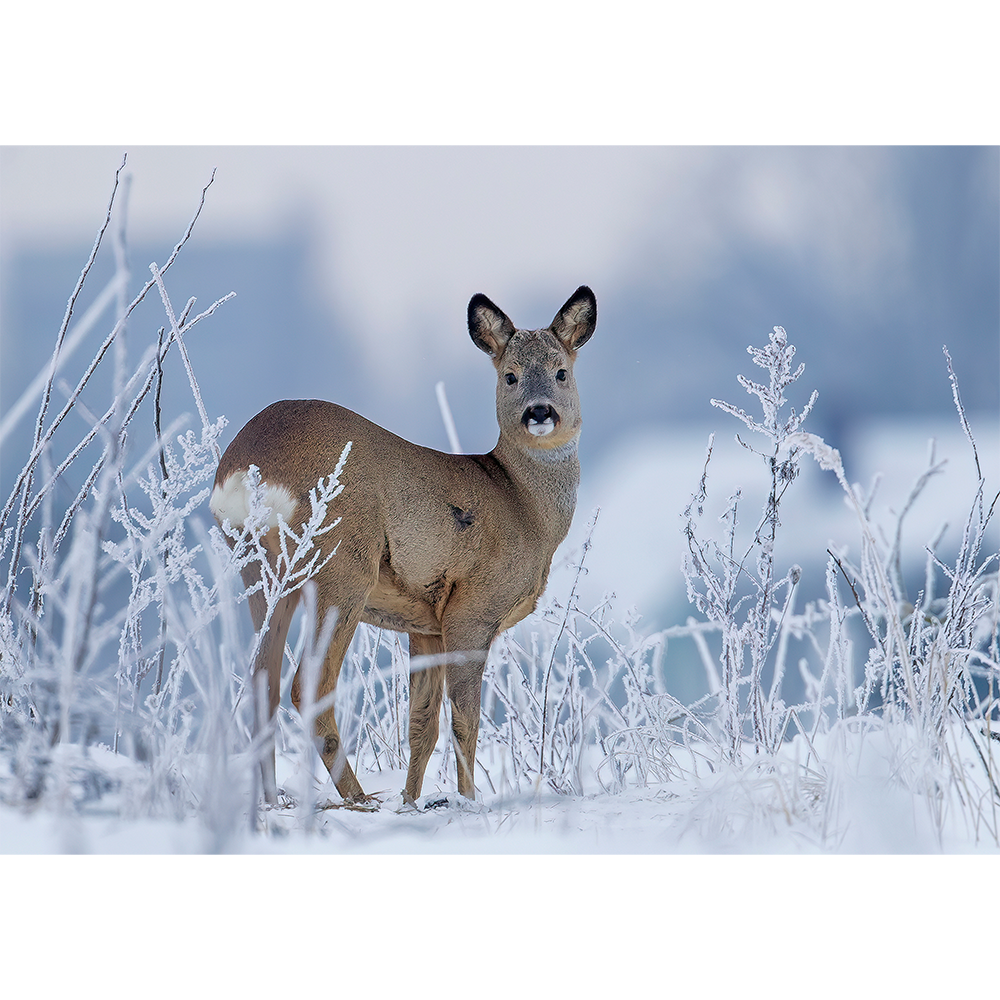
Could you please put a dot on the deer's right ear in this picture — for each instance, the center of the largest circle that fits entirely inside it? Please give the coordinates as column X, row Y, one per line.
column 489, row 327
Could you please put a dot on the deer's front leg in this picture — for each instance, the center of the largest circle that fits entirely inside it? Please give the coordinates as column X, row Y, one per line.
column 467, row 645
column 426, row 687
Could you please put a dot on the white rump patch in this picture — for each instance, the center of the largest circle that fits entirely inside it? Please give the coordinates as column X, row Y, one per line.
column 232, row 500
column 541, row 428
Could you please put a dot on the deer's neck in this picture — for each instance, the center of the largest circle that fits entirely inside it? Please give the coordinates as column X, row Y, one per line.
column 546, row 481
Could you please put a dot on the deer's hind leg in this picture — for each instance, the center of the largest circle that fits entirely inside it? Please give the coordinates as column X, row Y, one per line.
column 266, row 677
column 426, row 689
column 350, row 578
column 326, row 732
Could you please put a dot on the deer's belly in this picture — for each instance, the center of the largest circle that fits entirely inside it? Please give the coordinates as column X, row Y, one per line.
column 388, row 606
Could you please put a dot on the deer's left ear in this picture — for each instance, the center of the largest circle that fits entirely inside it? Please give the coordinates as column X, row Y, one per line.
column 489, row 326
column 575, row 323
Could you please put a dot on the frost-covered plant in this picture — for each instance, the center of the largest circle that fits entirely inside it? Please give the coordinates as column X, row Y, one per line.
column 739, row 596
column 931, row 677
column 561, row 682
column 76, row 650
column 299, row 557
column 933, row 662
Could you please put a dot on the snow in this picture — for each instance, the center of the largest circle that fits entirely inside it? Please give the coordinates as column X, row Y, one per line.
column 855, row 804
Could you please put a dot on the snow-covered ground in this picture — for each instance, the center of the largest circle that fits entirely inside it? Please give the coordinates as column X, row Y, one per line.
column 853, row 799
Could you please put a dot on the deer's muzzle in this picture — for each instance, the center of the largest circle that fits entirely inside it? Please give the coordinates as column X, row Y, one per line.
column 540, row 420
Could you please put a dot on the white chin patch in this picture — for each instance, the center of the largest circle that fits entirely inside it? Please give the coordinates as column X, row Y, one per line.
column 546, row 426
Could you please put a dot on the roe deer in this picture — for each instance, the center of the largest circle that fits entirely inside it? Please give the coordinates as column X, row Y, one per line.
column 452, row 549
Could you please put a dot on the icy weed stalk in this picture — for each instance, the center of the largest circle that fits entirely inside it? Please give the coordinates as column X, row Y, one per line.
column 742, row 597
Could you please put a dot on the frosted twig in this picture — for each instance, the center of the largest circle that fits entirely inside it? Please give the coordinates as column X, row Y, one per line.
column 24, row 482
column 449, row 422
column 43, row 439
column 74, row 338
column 953, row 378
column 179, row 338
column 103, row 350
column 570, row 607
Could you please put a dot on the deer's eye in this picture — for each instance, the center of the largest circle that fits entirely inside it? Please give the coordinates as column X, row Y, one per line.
column 561, row 375
column 511, row 378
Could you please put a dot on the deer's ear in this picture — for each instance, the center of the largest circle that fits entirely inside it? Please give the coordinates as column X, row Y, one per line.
column 489, row 327
column 575, row 323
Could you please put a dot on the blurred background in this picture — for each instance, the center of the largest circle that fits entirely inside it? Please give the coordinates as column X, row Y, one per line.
column 353, row 266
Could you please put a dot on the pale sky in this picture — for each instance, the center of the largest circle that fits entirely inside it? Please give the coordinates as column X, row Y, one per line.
column 402, row 237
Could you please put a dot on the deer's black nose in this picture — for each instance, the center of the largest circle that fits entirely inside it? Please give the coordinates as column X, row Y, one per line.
column 539, row 414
